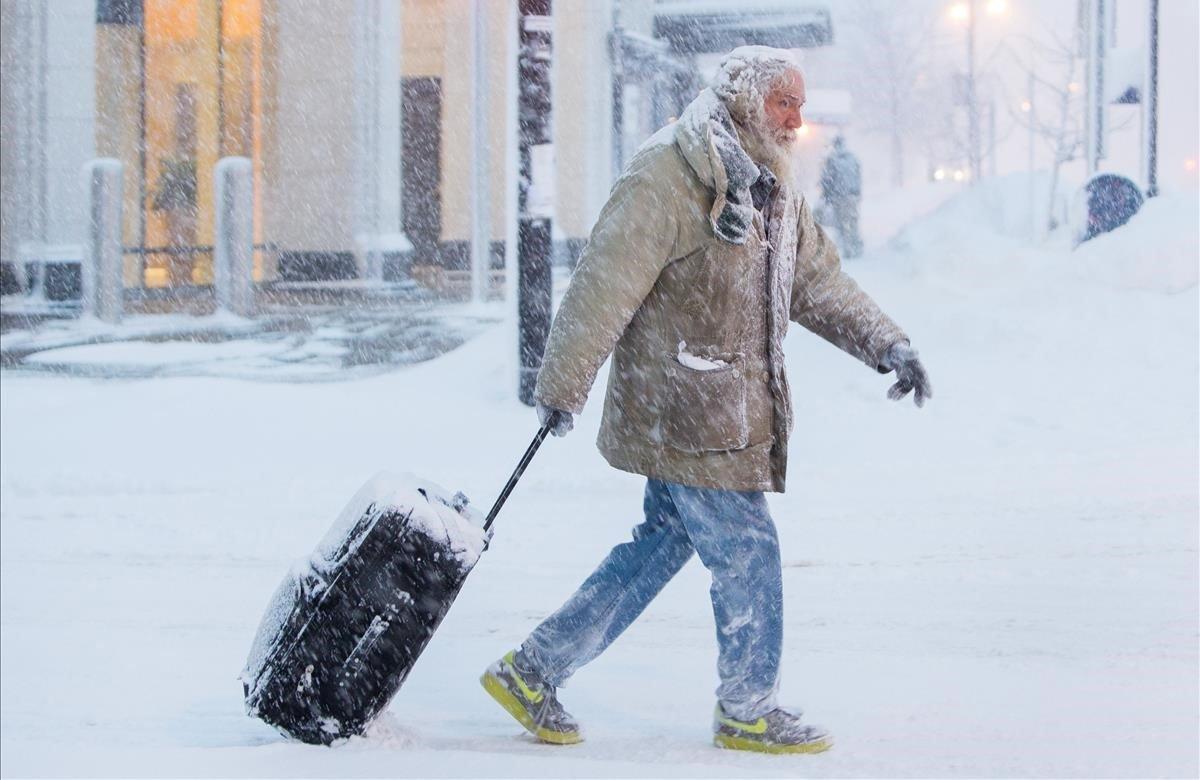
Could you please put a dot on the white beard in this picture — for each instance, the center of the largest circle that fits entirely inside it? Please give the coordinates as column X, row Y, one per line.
column 776, row 149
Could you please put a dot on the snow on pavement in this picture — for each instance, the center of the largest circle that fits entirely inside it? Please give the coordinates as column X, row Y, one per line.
column 1003, row 583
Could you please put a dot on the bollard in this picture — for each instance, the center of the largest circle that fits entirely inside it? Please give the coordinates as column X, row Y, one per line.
column 103, row 287
column 233, row 236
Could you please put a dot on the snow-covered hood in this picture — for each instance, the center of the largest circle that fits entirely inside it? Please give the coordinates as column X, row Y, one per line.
column 708, row 139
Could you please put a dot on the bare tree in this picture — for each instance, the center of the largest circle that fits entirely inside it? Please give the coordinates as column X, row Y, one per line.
column 894, row 51
column 1056, row 68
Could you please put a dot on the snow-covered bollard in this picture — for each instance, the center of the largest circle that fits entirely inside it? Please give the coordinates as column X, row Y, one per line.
column 103, row 287
column 233, row 236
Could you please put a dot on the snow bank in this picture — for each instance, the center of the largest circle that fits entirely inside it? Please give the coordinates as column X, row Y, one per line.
column 997, row 206
column 1019, row 584
column 980, row 239
column 977, row 239
column 1157, row 251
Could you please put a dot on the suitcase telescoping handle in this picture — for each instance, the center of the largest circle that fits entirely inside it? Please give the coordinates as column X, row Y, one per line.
column 542, row 433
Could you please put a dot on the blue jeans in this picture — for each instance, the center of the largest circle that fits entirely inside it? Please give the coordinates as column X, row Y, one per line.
column 735, row 538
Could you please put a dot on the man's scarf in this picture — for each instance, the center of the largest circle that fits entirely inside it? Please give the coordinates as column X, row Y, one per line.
column 733, row 210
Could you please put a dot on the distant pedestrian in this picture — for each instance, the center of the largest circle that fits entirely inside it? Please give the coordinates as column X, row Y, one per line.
column 841, row 191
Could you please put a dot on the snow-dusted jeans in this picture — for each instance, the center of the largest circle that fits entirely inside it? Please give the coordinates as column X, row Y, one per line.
column 735, row 537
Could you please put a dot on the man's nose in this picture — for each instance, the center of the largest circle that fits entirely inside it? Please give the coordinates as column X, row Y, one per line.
column 795, row 121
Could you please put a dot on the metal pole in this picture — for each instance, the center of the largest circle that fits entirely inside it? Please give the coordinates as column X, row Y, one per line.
column 143, row 185
column 536, row 185
column 43, row 158
column 1101, row 53
column 1151, row 105
column 523, row 464
column 1095, row 101
column 391, row 98
column 1033, row 220
column 992, row 136
column 618, row 100
column 512, row 174
column 973, row 141
column 220, row 35
column 481, row 237
column 375, row 75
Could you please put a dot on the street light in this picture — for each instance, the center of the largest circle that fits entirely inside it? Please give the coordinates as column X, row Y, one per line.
column 964, row 11
column 961, row 11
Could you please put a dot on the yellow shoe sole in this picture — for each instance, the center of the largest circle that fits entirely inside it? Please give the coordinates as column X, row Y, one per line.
column 505, row 699
column 741, row 743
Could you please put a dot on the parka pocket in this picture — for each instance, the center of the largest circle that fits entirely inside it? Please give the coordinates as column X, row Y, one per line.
column 705, row 410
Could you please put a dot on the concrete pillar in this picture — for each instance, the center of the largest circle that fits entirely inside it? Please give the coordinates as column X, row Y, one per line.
column 119, row 113
column 233, row 236
column 480, row 193
column 376, row 48
column 103, row 288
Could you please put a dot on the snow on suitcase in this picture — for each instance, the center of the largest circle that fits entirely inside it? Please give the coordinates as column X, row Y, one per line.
column 343, row 630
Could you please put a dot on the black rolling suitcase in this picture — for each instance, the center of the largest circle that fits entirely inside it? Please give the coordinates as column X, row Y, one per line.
column 343, row 630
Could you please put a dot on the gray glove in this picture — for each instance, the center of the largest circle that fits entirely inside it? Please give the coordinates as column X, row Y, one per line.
column 560, row 422
column 910, row 374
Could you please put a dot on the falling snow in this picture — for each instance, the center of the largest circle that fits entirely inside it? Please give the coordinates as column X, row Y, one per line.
column 202, row 361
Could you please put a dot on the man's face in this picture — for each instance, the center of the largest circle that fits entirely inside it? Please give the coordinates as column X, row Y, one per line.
column 781, row 108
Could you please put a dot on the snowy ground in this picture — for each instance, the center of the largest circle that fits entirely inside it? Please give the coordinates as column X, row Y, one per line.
column 1001, row 584
column 312, row 344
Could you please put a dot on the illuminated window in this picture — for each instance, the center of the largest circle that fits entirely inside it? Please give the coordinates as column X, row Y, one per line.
column 202, row 95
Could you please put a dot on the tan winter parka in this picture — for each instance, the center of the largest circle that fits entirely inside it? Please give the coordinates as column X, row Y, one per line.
column 653, row 275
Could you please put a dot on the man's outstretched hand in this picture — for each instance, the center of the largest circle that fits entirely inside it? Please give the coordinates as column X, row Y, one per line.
column 910, row 374
column 561, row 422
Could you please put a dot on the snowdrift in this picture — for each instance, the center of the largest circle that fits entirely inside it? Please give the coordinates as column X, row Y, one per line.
column 981, row 238
column 1158, row 250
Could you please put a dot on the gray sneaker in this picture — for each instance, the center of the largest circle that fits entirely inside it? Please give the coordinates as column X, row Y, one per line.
column 779, row 731
column 531, row 701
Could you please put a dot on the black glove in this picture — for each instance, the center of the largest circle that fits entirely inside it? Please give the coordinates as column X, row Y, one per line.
column 910, row 374
column 560, row 422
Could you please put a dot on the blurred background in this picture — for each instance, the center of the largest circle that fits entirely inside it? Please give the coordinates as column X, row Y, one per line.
column 383, row 140
column 254, row 251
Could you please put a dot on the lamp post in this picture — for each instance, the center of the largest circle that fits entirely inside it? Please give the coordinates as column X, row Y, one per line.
column 1028, row 106
column 1097, row 47
column 973, row 155
column 964, row 11
column 481, row 230
column 1150, row 106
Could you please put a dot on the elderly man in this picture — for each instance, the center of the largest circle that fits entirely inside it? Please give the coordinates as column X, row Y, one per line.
column 700, row 258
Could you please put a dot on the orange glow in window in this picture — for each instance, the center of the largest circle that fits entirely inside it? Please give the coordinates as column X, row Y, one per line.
column 241, row 18
column 170, row 20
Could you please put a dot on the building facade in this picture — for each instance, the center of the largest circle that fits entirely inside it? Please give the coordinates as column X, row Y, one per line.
column 359, row 117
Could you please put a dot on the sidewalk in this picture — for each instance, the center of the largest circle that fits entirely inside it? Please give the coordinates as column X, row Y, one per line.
column 292, row 345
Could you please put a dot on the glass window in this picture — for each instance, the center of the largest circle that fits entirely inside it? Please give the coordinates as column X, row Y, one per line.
column 203, row 66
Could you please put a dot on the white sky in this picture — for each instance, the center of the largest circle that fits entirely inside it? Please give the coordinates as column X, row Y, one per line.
column 999, row 37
